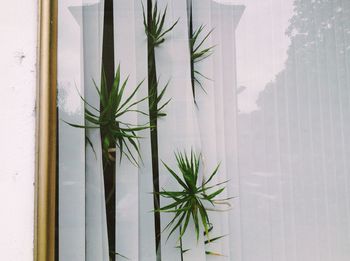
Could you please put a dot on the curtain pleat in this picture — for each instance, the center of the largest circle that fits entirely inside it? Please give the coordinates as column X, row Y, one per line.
column 224, row 20
column 205, row 111
column 230, row 18
column 147, row 248
column 82, row 215
column 127, row 173
column 95, row 213
column 71, row 159
column 178, row 130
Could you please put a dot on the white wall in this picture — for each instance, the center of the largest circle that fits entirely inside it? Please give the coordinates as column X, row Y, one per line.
column 18, row 30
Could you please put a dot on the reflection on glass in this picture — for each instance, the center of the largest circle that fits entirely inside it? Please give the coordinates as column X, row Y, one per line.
column 271, row 104
column 293, row 131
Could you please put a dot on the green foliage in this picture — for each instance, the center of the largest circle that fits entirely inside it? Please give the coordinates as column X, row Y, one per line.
column 154, row 28
column 191, row 200
column 183, row 251
column 211, row 253
column 198, row 53
column 211, row 240
column 156, row 108
column 117, row 254
column 113, row 106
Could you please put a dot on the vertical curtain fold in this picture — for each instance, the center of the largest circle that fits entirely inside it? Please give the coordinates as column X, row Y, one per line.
column 205, row 111
column 71, row 159
column 224, row 20
column 147, row 248
column 86, row 218
column 127, row 173
column 95, row 213
column 230, row 17
column 178, row 131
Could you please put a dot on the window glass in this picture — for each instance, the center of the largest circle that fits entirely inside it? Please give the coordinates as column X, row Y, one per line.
column 204, row 130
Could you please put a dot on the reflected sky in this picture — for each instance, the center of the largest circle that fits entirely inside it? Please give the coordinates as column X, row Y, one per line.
column 261, row 46
column 70, row 49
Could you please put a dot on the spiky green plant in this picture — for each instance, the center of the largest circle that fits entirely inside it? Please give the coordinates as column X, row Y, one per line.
column 114, row 105
column 156, row 32
column 154, row 27
column 156, row 105
column 191, row 201
column 198, row 54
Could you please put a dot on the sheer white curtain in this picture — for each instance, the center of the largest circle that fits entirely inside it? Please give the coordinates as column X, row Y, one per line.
column 294, row 145
column 71, row 180
column 217, row 112
column 178, row 131
column 134, row 220
column 95, row 212
column 82, row 215
column 275, row 113
column 186, row 127
column 206, row 112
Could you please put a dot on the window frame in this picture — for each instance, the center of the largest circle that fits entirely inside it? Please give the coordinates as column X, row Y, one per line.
column 46, row 136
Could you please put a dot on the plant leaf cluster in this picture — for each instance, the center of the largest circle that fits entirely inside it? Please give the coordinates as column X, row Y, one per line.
column 190, row 202
column 198, row 53
column 155, row 27
column 156, row 108
column 155, row 32
column 114, row 105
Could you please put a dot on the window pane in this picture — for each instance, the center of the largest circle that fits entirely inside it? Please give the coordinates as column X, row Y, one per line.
column 204, row 130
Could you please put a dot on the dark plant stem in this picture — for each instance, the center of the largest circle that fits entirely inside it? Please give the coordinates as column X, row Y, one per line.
column 181, row 247
column 190, row 33
column 108, row 167
column 153, row 94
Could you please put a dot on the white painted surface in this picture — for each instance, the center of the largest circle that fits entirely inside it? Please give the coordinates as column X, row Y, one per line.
column 18, row 25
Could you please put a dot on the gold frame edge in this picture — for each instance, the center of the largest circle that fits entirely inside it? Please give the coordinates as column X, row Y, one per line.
column 46, row 129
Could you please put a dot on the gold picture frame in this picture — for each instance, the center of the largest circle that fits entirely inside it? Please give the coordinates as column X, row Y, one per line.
column 46, row 128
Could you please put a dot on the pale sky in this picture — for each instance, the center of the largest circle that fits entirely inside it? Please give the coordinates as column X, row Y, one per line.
column 261, row 46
